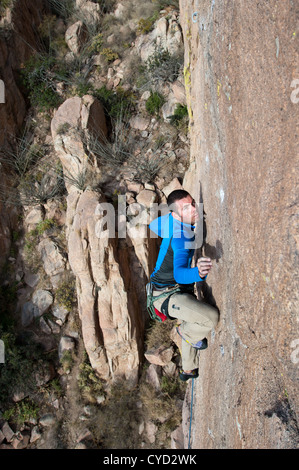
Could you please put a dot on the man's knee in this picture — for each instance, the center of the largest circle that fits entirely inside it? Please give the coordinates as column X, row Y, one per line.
column 191, row 308
column 208, row 311
column 214, row 316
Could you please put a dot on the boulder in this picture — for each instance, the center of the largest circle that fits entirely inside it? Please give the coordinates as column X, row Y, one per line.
column 47, row 420
column 7, row 432
column 75, row 121
column 31, row 279
column 75, row 36
column 151, row 431
column 29, row 312
column 21, row 441
column 34, row 216
column 53, row 260
column 166, row 35
column 139, row 123
column 159, row 356
column 90, row 11
column 153, row 376
column 169, row 107
column 60, row 313
column 42, row 299
column 172, row 186
column 146, row 198
column 35, row 434
column 179, row 92
column 177, row 438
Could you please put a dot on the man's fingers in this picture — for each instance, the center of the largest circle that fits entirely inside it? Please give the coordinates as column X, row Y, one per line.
column 204, row 266
column 204, row 263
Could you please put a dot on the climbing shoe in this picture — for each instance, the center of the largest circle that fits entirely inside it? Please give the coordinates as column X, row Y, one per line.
column 202, row 344
column 184, row 376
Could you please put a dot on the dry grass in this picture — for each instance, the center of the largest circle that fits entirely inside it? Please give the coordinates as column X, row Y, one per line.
column 159, row 334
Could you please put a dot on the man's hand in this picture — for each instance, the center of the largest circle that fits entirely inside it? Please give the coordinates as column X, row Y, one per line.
column 204, row 266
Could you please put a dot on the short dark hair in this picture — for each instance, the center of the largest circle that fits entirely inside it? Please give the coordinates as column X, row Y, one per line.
column 176, row 196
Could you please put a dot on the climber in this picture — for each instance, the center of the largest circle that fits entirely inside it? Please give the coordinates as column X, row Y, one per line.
column 173, row 279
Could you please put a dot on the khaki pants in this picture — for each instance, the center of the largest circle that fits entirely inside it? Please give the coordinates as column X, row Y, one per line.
column 198, row 319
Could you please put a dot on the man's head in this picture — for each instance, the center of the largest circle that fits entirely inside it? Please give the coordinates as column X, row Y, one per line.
column 182, row 206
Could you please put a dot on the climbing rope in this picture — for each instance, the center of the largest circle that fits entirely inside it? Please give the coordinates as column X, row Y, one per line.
column 191, row 407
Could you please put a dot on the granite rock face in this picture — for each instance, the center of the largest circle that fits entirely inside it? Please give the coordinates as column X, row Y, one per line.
column 240, row 67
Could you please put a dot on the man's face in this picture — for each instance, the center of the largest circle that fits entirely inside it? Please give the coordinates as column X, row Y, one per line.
column 186, row 210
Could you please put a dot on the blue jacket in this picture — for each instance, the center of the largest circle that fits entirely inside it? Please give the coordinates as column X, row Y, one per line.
column 174, row 260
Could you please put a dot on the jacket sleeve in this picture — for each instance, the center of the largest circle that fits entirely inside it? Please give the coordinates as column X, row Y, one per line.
column 182, row 272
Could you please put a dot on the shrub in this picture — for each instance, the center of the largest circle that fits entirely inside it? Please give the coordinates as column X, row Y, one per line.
column 109, row 54
column 110, row 154
column 24, row 361
column 88, row 382
column 96, row 44
column 161, row 66
column 180, row 114
column 147, row 168
column 45, row 225
column 22, row 412
column 33, row 192
column 145, row 25
column 115, row 423
column 67, row 361
column 117, row 104
column 24, row 156
column 40, row 78
column 66, row 294
column 154, row 103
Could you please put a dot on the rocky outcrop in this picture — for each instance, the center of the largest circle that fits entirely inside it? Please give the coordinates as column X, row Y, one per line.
column 239, row 65
column 112, row 325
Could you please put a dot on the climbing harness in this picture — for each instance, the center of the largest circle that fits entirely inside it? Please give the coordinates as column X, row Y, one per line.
column 191, row 409
column 150, row 299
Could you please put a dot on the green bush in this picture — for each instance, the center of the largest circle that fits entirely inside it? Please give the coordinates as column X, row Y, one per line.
column 45, row 225
column 40, row 78
column 88, row 382
column 66, row 294
column 145, row 25
column 180, row 113
column 109, row 54
column 154, row 103
column 24, row 361
column 96, row 44
column 67, row 361
column 161, row 66
column 22, row 412
column 116, row 102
